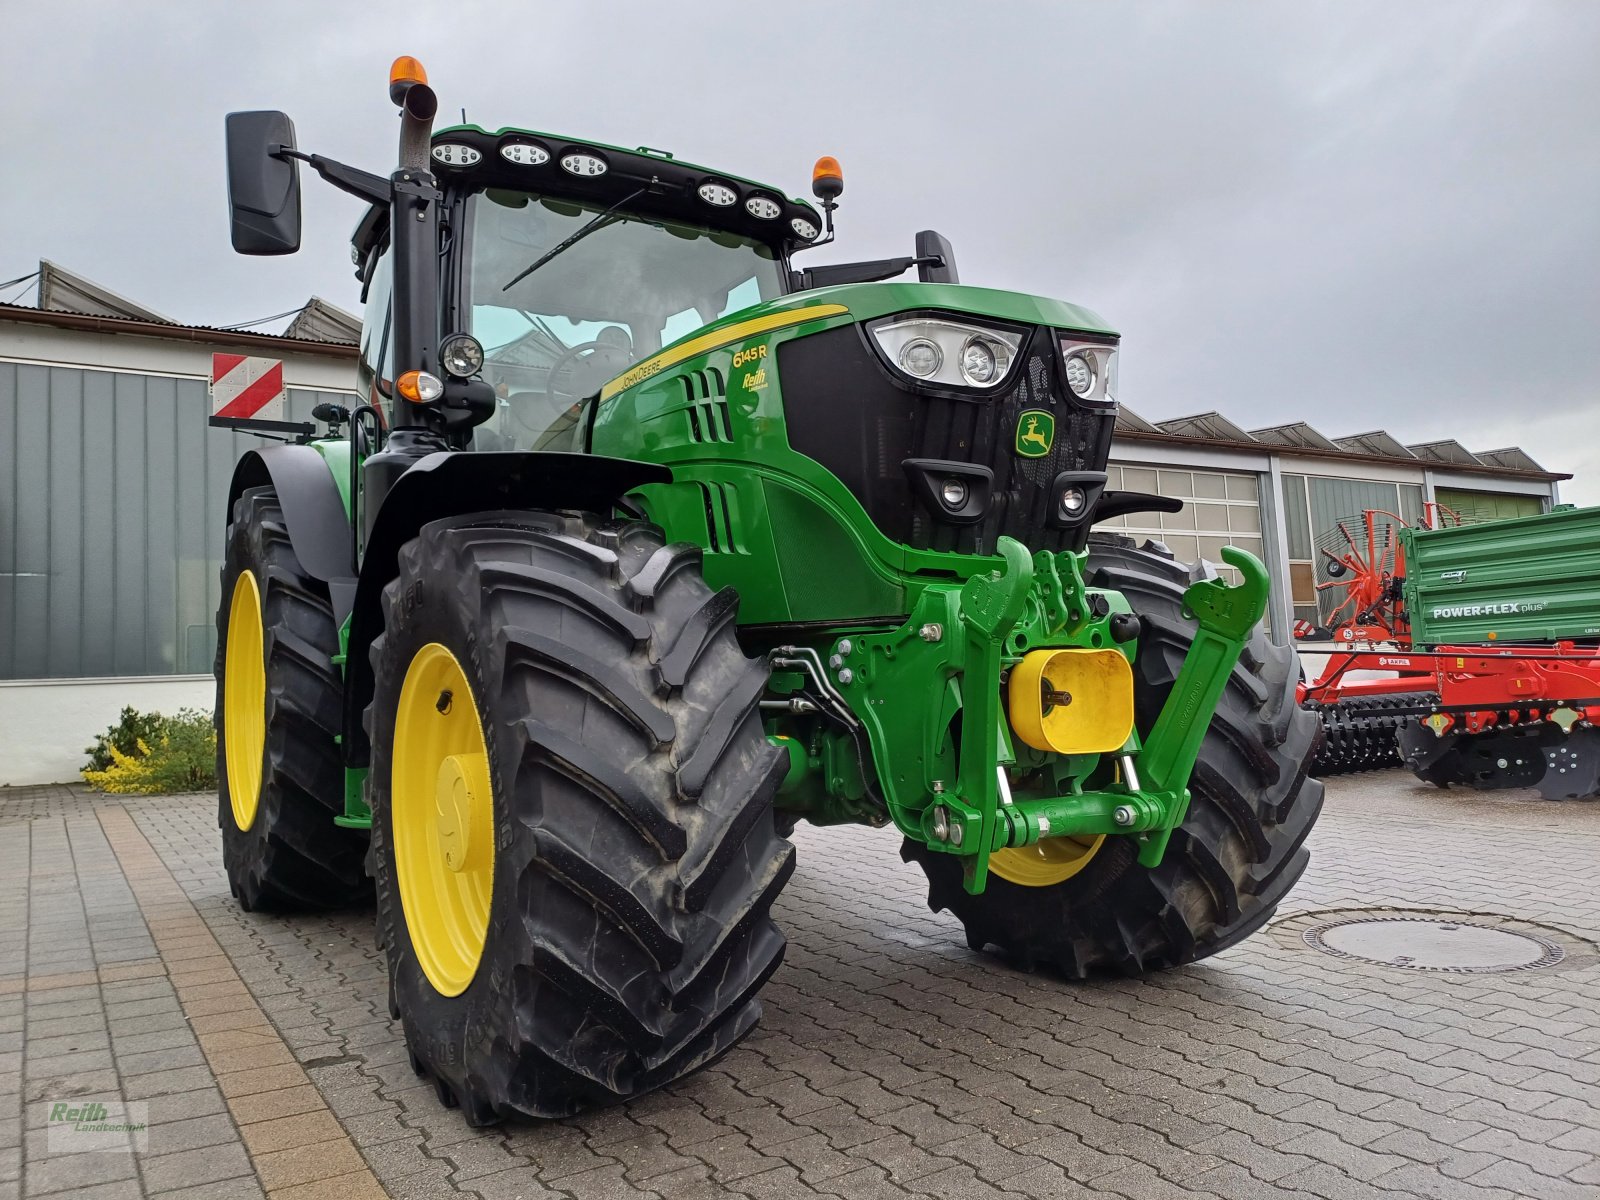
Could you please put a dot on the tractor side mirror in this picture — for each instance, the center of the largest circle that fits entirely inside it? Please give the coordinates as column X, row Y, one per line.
column 931, row 245
column 263, row 183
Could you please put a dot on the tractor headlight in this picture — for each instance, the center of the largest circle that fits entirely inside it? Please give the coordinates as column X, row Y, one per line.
column 977, row 360
column 461, row 355
column 1091, row 369
column 943, row 351
column 920, row 357
column 1080, row 375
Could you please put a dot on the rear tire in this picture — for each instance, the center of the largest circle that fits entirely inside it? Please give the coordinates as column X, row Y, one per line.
column 635, row 859
column 287, row 854
column 1232, row 860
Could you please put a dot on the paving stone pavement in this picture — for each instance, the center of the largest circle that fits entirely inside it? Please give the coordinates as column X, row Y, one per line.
column 891, row 1060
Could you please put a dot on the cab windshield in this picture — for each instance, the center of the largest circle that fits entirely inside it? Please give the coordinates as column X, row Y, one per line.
column 628, row 287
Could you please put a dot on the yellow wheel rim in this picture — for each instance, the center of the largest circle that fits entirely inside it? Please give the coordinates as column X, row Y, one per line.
column 442, row 815
column 1045, row 863
column 244, row 700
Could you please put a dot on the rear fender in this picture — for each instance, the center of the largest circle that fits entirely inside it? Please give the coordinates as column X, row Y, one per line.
column 449, row 485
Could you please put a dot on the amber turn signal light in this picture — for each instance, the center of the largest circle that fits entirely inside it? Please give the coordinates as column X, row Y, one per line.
column 419, row 387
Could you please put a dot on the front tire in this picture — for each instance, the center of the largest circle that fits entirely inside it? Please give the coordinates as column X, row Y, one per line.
column 626, row 851
column 280, row 779
column 1229, row 864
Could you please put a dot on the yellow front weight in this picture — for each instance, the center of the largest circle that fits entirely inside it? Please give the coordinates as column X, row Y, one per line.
column 1072, row 701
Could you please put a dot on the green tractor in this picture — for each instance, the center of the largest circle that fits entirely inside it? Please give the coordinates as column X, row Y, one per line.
column 650, row 542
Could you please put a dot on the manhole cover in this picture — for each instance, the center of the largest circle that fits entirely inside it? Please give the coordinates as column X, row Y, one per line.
column 1434, row 944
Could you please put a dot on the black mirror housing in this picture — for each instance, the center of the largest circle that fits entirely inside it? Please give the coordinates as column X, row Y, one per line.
column 263, row 188
column 931, row 245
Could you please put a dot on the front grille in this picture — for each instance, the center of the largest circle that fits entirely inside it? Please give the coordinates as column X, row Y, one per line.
column 845, row 410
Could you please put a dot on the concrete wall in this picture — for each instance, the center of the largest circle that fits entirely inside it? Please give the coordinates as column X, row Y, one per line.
column 45, row 724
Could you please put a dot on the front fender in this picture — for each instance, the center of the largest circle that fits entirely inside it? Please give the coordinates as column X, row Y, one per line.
column 450, row 485
column 313, row 510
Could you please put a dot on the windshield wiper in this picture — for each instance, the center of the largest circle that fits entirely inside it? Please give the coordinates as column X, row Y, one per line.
column 537, row 324
column 589, row 227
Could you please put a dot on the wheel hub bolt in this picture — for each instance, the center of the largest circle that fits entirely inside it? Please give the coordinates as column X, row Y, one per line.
column 1123, row 815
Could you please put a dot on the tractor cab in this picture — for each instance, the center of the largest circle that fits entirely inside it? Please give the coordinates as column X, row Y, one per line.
column 568, row 262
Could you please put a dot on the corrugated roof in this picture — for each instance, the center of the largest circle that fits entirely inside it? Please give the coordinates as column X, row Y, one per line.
column 1129, row 421
column 178, row 333
column 1205, row 425
column 61, row 290
column 320, row 321
column 1508, row 456
column 70, row 294
column 1300, row 439
column 1296, row 433
column 1374, row 441
column 1446, row 450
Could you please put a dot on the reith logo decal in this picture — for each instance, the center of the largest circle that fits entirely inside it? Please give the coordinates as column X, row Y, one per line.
column 1036, row 433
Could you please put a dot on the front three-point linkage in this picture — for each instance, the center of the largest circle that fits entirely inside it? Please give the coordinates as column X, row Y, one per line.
column 1151, row 795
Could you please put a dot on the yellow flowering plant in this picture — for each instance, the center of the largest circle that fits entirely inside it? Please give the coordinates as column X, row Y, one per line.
column 167, row 755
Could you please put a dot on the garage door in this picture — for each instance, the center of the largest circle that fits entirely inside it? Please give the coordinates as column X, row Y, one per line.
column 1220, row 508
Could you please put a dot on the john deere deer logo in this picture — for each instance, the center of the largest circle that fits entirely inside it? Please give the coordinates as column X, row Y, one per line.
column 1036, row 432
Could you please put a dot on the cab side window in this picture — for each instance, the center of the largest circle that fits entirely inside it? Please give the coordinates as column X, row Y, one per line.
column 375, row 371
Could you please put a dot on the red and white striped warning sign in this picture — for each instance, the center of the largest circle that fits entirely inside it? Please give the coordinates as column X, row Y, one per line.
column 247, row 387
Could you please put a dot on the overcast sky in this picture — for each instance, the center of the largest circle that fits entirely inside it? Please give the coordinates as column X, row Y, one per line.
column 1362, row 215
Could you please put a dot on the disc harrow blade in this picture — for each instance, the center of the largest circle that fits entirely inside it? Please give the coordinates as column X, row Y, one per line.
column 1572, row 767
column 1432, row 759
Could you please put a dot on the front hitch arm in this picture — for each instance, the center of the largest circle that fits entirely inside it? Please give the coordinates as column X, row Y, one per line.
column 991, row 605
column 1225, row 617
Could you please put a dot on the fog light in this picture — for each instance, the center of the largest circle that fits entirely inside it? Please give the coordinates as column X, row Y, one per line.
column 1073, row 500
column 461, row 355
column 1080, row 375
column 953, row 492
